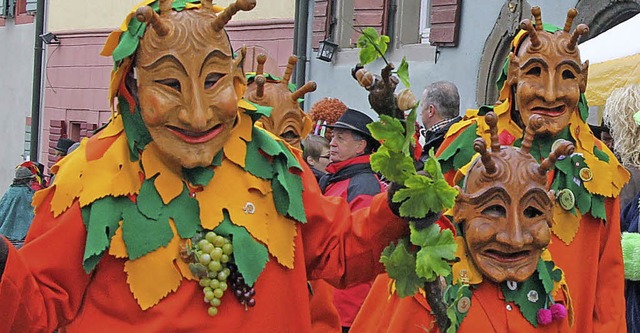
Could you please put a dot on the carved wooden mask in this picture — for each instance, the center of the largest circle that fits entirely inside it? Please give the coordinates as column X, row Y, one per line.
column 188, row 81
column 287, row 119
column 504, row 208
column 547, row 73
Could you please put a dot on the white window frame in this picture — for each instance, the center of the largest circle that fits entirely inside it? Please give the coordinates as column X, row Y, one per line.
column 425, row 21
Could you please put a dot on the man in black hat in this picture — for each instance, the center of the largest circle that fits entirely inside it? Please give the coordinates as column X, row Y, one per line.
column 350, row 176
column 62, row 146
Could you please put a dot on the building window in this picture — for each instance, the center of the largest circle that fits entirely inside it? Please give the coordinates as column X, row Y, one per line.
column 21, row 10
column 425, row 21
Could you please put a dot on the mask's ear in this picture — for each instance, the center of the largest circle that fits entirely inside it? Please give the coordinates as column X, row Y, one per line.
column 239, row 79
column 584, row 73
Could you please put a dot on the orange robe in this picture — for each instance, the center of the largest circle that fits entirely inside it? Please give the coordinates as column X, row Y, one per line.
column 44, row 285
column 489, row 312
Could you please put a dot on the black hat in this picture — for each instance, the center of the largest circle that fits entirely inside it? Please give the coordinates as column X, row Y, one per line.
column 356, row 121
column 64, row 144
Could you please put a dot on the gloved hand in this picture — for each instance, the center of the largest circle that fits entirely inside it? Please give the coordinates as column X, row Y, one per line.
column 420, row 223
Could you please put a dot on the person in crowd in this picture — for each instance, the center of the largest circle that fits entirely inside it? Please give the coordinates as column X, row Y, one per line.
column 440, row 109
column 16, row 212
column 544, row 76
column 62, row 146
column 181, row 215
column 349, row 176
column 315, row 151
column 37, row 169
column 619, row 110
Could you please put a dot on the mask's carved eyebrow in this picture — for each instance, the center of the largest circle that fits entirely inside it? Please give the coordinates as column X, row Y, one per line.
column 217, row 54
column 166, row 57
column 535, row 60
column 479, row 199
column 571, row 63
column 538, row 195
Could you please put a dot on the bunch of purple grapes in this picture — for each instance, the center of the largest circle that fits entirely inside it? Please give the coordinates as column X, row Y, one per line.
column 243, row 292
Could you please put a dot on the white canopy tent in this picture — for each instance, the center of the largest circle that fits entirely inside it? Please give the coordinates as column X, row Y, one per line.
column 614, row 60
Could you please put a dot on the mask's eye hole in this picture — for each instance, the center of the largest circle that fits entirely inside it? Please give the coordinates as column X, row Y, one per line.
column 495, row 211
column 535, row 71
column 531, row 212
column 290, row 135
column 171, row 83
column 212, row 79
column 567, row 74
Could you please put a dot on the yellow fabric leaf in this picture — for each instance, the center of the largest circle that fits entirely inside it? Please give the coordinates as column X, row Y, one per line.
column 242, row 103
column 154, row 275
column 40, row 195
column 114, row 128
column 67, row 184
column 243, row 188
column 103, row 177
column 565, row 224
column 117, row 75
column 235, row 148
column 117, row 248
column 611, row 176
column 168, row 183
column 465, row 264
column 463, row 171
column 112, row 42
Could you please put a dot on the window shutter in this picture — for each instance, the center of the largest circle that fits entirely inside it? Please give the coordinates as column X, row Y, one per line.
column 32, row 5
column 3, row 8
column 321, row 22
column 445, row 22
column 369, row 13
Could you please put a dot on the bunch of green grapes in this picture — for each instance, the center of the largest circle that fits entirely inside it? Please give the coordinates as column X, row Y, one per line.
column 209, row 258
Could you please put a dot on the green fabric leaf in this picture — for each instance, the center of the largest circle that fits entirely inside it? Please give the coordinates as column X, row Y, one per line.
column 257, row 163
column 403, row 72
column 389, row 131
column 436, row 245
column 292, row 184
column 142, row 235
column 423, row 195
column 460, row 152
column 149, row 201
column 103, row 217
column 185, row 212
column 597, row 207
column 199, row 175
column 519, row 296
column 601, row 155
column 261, row 111
column 138, row 135
column 400, row 265
column 280, row 196
column 250, row 256
column 395, row 166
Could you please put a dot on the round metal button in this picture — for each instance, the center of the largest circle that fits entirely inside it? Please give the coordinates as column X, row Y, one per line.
column 249, row 208
column 585, row 174
column 509, row 307
column 566, row 199
column 464, row 304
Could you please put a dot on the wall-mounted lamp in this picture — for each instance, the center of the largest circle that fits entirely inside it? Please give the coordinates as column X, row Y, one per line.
column 49, row 38
column 327, row 50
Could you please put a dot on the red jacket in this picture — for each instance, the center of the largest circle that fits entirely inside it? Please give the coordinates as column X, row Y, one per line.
column 353, row 180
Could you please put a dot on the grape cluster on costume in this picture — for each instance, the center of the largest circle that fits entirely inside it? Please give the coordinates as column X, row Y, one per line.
column 210, row 259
